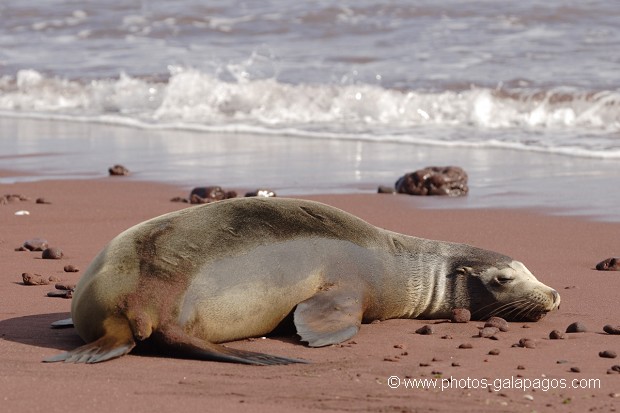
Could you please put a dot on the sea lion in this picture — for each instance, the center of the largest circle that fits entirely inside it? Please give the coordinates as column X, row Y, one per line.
column 237, row 268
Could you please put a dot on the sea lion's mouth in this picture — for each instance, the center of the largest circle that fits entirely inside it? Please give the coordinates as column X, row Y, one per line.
column 515, row 311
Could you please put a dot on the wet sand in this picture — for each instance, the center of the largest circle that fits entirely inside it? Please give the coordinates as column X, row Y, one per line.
column 85, row 214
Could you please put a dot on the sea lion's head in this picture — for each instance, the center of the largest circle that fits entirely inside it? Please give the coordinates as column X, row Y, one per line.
column 507, row 289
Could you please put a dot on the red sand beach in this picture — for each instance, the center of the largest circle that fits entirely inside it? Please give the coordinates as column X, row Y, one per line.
column 84, row 215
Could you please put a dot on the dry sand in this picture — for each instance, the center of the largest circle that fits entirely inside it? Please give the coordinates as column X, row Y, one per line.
column 84, row 215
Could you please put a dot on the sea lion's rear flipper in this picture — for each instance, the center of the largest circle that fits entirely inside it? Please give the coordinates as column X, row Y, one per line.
column 329, row 317
column 183, row 345
column 105, row 348
column 66, row 323
column 117, row 341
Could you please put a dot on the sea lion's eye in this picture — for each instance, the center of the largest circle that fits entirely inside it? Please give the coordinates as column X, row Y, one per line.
column 503, row 279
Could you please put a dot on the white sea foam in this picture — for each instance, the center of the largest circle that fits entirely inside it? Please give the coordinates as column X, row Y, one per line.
column 559, row 120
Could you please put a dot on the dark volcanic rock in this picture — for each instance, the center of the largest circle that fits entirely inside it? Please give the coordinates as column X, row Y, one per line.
column 609, row 329
column 118, row 170
column 610, row 264
column 576, row 327
column 434, row 180
column 425, row 330
column 52, row 254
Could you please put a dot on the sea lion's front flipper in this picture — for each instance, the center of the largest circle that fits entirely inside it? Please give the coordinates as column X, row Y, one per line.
column 183, row 345
column 329, row 317
column 66, row 323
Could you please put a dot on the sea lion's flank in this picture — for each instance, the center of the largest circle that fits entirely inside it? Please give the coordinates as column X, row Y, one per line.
column 237, row 268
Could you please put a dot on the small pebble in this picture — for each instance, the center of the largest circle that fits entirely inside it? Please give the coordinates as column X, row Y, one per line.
column 528, row 397
column 34, row 279
column 466, row 345
column 447, row 337
column 561, row 362
column 52, row 254
column 494, row 352
column 22, row 213
column 71, row 268
column 488, row 332
column 425, row 330
column 460, row 315
column 575, row 370
column 616, row 368
column 527, row 343
column 392, row 359
column 35, row 244
column 42, row 201
column 576, row 327
column 385, row 190
column 609, row 329
column 424, row 364
column 520, row 367
column 608, row 354
column 456, row 364
column 65, row 286
column 61, row 294
column 497, row 322
column 556, row 335
column 180, row 199
column 401, row 346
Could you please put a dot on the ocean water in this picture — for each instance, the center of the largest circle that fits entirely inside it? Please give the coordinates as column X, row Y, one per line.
column 442, row 77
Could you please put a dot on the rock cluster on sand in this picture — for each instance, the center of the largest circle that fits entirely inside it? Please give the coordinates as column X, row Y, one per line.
column 434, row 180
column 207, row 194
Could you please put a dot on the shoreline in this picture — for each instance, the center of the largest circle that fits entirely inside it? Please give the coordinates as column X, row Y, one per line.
column 85, row 214
column 498, row 178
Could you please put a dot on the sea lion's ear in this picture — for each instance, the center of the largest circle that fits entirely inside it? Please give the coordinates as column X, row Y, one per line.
column 465, row 271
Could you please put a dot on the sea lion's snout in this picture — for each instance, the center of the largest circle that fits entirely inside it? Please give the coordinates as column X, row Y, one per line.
column 555, row 298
